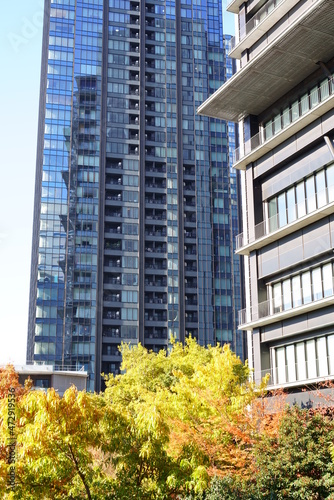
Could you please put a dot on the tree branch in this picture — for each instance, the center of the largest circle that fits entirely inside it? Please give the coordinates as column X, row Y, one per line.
column 82, row 476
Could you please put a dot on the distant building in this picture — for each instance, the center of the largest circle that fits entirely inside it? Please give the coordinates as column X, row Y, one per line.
column 136, row 207
column 283, row 98
column 46, row 376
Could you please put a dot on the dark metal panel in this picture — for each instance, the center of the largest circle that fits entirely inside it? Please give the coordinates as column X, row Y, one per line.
column 103, row 142
column 180, row 207
column 141, row 264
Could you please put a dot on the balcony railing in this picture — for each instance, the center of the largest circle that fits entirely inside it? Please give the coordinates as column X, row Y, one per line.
column 47, row 366
column 300, row 372
column 293, row 213
column 256, row 20
column 290, row 115
column 293, row 301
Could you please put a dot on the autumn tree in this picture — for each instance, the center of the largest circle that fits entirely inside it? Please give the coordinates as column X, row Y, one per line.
column 294, row 462
column 162, row 429
column 10, row 390
column 189, row 417
column 56, row 439
column 9, row 379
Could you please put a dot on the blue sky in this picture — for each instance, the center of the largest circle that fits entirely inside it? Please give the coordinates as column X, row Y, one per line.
column 20, row 53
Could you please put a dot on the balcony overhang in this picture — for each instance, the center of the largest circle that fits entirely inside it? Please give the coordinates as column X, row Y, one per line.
column 257, row 32
column 286, row 230
column 234, row 6
column 287, row 132
column 289, row 313
column 278, row 68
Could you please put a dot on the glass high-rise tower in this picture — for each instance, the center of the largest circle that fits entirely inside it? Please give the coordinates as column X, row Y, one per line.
column 136, row 208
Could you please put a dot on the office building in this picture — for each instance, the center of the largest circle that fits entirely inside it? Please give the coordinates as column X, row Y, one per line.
column 135, row 205
column 282, row 97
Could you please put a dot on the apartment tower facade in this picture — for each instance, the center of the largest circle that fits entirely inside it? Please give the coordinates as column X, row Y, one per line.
column 282, row 97
column 135, row 205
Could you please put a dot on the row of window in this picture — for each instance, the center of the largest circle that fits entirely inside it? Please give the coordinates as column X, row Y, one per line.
column 303, row 288
column 298, row 108
column 304, row 360
column 305, row 197
column 128, row 314
column 62, row 13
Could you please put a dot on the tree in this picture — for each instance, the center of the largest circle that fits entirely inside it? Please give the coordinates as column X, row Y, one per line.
column 292, row 462
column 11, row 391
column 56, row 437
column 296, row 464
column 163, row 428
column 189, row 417
column 9, row 379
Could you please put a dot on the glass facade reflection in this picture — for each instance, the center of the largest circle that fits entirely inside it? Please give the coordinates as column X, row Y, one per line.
column 136, row 207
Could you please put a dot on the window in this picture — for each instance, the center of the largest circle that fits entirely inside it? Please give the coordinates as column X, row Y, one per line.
column 330, row 182
column 301, row 361
column 310, row 195
column 304, row 103
column 327, row 280
column 282, row 214
column 129, row 314
column 330, row 347
column 291, row 202
column 287, row 304
column 316, row 283
column 306, row 287
column 298, row 108
column 305, row 197
column 272, row 212
column 277, row 295
column 303, row 288
column 296, row 291
column 311, row 359
column 322, row 357
column 300, row 192
column 280, row 363
column 304, row 360
column 291, row 365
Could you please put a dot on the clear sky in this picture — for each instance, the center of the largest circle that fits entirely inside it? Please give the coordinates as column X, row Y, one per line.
column 20, row 54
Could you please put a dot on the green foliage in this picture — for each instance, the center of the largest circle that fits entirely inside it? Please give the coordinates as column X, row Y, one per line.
column 55, row 439
column 184, row 425
column 294, row 464
column 185, row 416
column 297, row 463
